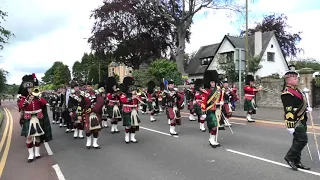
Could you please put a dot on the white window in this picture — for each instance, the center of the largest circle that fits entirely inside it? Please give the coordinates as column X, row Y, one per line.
column 270, row 56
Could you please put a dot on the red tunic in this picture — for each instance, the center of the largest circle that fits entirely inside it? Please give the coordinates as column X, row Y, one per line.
column 113, row 99
column 34, row 107
column 197, row 98
column 128, row 103
column 249, row 92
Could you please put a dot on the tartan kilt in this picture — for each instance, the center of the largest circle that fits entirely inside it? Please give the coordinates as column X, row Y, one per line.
column 211, row 120
column 126, row 117
column 149, row 105
column 45, row 125
column 248, row 106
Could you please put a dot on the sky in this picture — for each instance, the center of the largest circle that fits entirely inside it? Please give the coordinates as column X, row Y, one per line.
column 49, row 31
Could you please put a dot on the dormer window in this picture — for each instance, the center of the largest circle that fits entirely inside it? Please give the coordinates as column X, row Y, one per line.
column 205, row 61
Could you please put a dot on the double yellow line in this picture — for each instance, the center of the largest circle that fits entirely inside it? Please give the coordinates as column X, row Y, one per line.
column 7, row 134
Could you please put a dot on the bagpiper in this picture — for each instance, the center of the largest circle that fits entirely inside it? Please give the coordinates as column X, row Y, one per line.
column 53, row 104
column 113, row 103
column 160, row 97
column 104, row 113
column 225, row 98
column 198, row 86
column 210, row 99
column 76, row 105
column 130, row 104
column 173, row 100
column 295, row 107
column 92, row 110
column 151, row 99
column 190, row 98
column 35, row 122
column 250, row 92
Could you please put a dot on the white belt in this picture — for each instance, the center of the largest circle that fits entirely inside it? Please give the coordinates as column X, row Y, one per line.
column 33, row 112
column 127, row 105
column 250, row 95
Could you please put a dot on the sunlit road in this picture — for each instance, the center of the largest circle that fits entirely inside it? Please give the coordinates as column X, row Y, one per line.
column 254, row 151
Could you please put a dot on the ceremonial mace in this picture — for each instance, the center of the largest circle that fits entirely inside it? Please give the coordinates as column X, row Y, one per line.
column 306, row 92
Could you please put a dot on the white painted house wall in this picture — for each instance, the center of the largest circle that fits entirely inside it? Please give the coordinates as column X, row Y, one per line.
column 278, row 66
column 226, row 46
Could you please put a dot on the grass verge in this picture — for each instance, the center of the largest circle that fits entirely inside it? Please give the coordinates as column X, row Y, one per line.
column 1, row 117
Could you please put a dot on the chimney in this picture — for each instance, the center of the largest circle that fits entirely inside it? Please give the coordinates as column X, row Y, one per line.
column 257, row 43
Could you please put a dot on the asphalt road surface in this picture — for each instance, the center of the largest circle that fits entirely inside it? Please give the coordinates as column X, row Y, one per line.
column 254, row 151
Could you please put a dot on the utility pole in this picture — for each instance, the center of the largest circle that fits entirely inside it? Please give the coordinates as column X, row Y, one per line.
column 247, row 39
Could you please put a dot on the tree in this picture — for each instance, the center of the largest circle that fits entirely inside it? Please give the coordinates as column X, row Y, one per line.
column 278, row 23
column 254, row 64
column 131, row 30
column 163, row 68
column 140, row 76
column 229, row 68
column 62, row 75
column 49, row 74
column 4, row 33
column 3, row 80
column 77, row 70
column 180, row 14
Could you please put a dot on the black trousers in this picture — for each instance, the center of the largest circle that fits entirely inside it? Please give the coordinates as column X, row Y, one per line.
column 300, row 140
column 67, row 119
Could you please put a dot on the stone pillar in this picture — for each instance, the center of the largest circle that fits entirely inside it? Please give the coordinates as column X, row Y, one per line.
column 306, row 79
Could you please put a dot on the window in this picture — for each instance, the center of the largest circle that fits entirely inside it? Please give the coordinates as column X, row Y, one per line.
column 271, row 45
column 229, row 56
column 205, row 61
column 270, row 56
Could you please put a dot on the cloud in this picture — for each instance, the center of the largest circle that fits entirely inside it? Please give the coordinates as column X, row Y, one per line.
column 45, row 32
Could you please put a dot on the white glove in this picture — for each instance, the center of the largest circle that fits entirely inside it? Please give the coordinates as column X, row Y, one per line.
column 290, row 130
column 221, row 103
column 309, row 109
column 204, row 116
column 176, row 89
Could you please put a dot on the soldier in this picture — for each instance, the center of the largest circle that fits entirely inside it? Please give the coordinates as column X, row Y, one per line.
column 174, row 101
column 104, row 115
column 295, row 107
column 35, row 122
column 76, row 106
column 144, row 98
column 113, row 103
column 197, row 103
column 151, row 101
column 190, row 98
column 130, row 103
column 92, row 110
column 53, row 104
column 60, row 107
column 250, row 92
column 226, row 113
column 210, row 99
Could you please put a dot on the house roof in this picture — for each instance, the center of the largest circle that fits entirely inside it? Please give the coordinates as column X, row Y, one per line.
column 194, row 66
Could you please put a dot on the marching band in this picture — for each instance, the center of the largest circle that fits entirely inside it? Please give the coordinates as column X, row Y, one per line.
column 87, row 112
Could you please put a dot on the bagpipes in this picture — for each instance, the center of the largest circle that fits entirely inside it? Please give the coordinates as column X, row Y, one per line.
column 180, row 95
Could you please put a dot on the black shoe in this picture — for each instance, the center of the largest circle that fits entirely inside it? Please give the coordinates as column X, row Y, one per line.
column 38, row 157
column 222, row 128
column 291, row 164
column 301, row 166
column 30, row 160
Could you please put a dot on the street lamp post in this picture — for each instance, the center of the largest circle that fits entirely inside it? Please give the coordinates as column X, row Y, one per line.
column 247, row 39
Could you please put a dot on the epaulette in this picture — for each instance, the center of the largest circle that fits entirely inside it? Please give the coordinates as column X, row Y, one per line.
column 286, row 91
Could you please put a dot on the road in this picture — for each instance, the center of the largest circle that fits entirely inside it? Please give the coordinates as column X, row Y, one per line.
column 254, row 151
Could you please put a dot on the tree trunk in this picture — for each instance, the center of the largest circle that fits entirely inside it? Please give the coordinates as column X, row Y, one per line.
column 181, row 48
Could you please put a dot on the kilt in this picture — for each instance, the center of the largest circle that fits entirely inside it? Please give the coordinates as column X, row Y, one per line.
column 211, row 120
column 126, row 117
column 197, row 110
column 45, row 125
column 248, row 106
column 110, row 112
column 150, row 107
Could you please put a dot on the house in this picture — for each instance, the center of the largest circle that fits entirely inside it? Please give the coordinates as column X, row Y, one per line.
column 120, row 70
column 264, row 45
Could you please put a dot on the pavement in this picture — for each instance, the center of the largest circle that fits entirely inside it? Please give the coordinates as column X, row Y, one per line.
column 253, row 151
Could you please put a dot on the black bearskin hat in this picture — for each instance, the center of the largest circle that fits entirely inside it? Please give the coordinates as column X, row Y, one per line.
column 170, row 81
column 28, row 81
column 210, row 75
column 248, row 79
column 198, row 84
column 111, row 81
column 151, row 85
column 127, row 83
column 73, row 83
column 101, row 84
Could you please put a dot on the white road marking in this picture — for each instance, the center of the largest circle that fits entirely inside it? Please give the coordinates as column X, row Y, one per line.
column 157, row 131
column 270, row 161
column 58, row 172
column 312, row 133
column 238, row 123
column 49, row 151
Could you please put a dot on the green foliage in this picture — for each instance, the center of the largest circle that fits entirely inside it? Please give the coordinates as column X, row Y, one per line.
column 3, row 80
column 48, row 87
column 12, row 89
column 4, row 33
column 62, row 75
column 254, row 64
column 92, row 67
column 306, row 63
column 142, row 76
column 159, row 69
column 229, row 67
